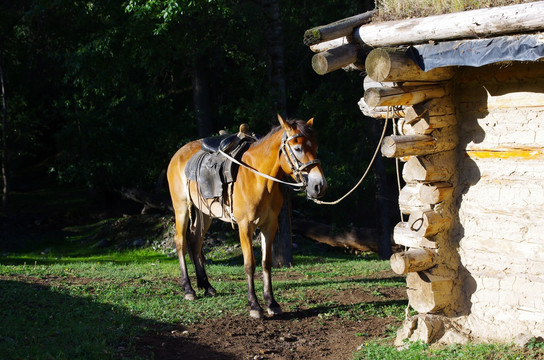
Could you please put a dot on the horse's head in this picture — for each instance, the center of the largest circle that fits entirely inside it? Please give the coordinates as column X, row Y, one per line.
column 299, row 158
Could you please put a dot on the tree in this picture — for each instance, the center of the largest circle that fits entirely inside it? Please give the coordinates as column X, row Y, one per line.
column 4, row 125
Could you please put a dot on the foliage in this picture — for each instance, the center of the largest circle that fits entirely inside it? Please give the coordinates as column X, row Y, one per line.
column 99, row 93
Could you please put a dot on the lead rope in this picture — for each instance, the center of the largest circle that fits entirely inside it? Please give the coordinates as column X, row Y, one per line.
column 367, row 169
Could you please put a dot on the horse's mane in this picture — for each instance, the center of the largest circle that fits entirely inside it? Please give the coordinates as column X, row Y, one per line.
column 305, row 130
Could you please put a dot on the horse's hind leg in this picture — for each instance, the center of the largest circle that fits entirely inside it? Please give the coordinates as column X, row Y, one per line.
column 182, row 220
column 196, row 239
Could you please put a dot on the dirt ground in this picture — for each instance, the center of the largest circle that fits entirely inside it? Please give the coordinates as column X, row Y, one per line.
column 301, row 334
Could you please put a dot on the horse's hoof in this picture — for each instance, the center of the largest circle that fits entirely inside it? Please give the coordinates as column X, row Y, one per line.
column 190, row 296
column 274, row 311
column 210, row 292
column 256, row 314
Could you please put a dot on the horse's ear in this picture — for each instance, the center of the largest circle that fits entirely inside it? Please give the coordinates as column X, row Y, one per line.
column 310, row 122
column 284, row 124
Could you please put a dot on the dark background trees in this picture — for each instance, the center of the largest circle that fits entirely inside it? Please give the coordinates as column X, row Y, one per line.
column 101, row 93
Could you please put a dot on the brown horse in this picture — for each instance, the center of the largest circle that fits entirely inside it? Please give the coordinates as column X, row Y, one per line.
column 256, row 202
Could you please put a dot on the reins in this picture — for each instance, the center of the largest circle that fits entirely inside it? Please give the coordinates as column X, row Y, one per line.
column 297, row 168
column 367, row 169
column 295, row 186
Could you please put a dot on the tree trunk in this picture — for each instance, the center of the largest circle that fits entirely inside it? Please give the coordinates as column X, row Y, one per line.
column 282, row 253
column 201, row 100
column 276, row 54
column 382, row 201
column 4, row 124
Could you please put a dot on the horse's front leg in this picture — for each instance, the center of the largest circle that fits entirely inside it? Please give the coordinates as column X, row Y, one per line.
column 267, row 238
column 246, row 235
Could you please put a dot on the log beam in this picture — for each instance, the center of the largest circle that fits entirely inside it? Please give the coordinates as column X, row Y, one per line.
column 461, row 25
column 409, row 199
column 402, row 95
column 427, row 223
column 381, row 112
column 412, row 260
column 402, row 235
column 433, row 107
column 428, row 293
column 431, row 168
column 392, row 64
column 336, row 29
column 396, row 146
column 334, row 59
column 435, row 193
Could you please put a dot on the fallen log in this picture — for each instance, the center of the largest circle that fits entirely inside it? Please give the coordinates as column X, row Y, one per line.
column 362, row 239
column 148, row 200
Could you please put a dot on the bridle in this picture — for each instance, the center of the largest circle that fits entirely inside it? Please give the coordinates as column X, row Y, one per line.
column 297, row 168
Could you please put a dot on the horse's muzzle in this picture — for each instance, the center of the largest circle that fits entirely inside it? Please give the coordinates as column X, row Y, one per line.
column 316, row 185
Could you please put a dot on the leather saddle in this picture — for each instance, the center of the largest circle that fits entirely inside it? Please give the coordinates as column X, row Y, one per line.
column 212, row 170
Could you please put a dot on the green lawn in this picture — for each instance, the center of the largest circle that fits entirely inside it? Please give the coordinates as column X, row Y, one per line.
column 82, row 302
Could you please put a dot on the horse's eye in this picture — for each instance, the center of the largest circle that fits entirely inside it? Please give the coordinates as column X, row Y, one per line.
column 298, row 149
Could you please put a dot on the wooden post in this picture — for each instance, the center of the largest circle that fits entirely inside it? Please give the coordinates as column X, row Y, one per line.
column 427, row 223
column 402, row 235
column 336, row 29
column 391, row 64
column 334, row 59
column 405, row 95
column 435, row 193
column 431, row 168
column 412, row 260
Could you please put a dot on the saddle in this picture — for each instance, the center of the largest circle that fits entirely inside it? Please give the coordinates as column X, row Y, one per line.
column 213, row 172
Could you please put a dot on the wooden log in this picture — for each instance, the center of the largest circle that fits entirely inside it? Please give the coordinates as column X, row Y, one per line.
column 409, row 145
column 336, row 29
column 435, row 193
column 334, row 59
column 409, row 198
column 369, row 83
column 328, row 45
column 402, row 95
column 462, row 25
column 148, row 200
column 427, row 223
column 431, row 168
column 392, row 64
column 433, row 107
column 381, row 112
column 427, row 124
column 429, row 293
column 412, row 260
column 402, row 235
column 362, row 239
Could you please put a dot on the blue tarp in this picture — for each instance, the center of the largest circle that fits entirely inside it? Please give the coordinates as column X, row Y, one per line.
column 478, row 52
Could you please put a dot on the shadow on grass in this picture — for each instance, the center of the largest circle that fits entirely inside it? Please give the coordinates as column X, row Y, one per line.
column 41, row 323
column 368, row 309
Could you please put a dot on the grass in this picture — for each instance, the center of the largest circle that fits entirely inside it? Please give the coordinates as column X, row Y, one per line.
column 401, row 9
column 83, row 302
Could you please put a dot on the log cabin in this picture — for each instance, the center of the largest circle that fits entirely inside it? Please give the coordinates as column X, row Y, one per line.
column 466, row 91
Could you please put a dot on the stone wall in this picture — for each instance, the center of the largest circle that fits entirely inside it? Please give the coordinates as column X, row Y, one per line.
column 500, row 200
